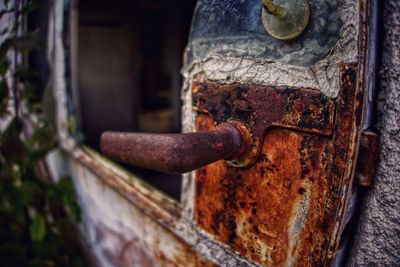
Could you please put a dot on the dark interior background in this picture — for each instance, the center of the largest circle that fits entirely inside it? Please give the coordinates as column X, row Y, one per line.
column 129, row 60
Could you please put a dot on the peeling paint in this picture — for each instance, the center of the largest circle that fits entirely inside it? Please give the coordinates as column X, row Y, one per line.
column 292, row 191
column 298, row 187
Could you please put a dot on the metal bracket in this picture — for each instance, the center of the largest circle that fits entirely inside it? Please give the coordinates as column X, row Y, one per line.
column 261, row 108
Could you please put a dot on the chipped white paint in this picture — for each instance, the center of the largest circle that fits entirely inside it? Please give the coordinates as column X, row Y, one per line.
column 298, row 218
column 57, row 59
column 8, row 19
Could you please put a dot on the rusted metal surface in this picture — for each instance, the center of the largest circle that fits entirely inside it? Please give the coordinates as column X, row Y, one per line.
column 162, row 212
column 367, row 158
column 262, row 108
column 177, row 153
column 285, row 208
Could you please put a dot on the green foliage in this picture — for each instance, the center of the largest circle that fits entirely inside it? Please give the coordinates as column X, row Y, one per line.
column 38, row 228
column 36, row 216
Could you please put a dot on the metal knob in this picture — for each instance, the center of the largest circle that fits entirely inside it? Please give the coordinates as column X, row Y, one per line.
column 285, row 19
column 177, row 153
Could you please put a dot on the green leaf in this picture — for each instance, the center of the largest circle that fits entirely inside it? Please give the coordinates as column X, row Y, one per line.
column 42, row 141
column 37, row 107
column 66, row 190
column 37, row 154
column 65, row 185
column 30, row 238
column 75, row 211
column 38, row 228
column 63, row 193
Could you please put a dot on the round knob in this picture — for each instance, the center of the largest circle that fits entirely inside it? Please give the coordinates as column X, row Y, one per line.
column 285, row 19
column 177, row 153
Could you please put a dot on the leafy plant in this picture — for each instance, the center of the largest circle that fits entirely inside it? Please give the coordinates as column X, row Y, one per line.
column 36, row 227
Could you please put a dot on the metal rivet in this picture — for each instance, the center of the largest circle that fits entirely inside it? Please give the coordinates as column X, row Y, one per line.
column 285, row 19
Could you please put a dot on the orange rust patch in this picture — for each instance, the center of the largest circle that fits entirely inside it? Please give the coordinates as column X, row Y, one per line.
column 252, row 209
column 261, row 107
column 283, row 208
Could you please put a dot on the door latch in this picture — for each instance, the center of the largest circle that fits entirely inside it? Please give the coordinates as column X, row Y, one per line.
column 242, row 115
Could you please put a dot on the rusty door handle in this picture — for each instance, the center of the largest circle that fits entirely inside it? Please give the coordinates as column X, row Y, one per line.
column 177, row 153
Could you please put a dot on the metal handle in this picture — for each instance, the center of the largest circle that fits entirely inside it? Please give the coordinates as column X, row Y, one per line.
column 177, row 153
column 274, row 9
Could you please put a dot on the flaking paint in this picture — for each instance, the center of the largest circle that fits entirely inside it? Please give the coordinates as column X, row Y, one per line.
column 282, row 210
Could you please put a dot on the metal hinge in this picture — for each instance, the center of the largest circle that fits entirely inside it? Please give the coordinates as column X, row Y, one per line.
column 367, row 158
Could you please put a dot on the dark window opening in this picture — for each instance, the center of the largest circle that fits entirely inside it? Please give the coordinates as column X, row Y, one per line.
column 37, row 23
column 129, row 60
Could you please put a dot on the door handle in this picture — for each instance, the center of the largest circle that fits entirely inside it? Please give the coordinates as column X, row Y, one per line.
column 242, row 115
column 177, row 153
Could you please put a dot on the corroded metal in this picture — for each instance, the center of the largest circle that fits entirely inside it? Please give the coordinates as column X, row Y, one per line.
column 367, row 158
column 177, row 153
column 263, row 108
column 285, row 208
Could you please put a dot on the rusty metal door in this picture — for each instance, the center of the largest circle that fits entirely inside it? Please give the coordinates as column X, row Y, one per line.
column 279, row 140
column 287, row 201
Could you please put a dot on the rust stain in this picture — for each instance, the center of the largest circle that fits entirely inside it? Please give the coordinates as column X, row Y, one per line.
column 341, row 155
column 295, row 108
column 186, row 257
column 367, row 158
column 283, row 209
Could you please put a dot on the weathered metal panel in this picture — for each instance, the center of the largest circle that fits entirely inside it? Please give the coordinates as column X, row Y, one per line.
column 122, row 234
column 283, row 209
